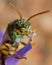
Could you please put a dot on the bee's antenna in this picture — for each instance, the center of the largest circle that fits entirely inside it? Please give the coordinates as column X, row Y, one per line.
column 37, row 14
column 13, row 5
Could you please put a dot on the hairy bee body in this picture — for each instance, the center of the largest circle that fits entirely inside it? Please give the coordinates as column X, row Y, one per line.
column 15, row 31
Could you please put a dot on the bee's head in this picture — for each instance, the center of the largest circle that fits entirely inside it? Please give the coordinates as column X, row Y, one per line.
column 22, row 26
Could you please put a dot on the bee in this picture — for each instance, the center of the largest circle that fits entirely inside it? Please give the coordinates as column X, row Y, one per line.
column 16, row 31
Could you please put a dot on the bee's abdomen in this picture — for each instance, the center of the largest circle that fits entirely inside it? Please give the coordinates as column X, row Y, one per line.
column 4, row 48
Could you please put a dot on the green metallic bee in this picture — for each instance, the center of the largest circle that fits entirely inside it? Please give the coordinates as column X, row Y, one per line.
column 15, row 32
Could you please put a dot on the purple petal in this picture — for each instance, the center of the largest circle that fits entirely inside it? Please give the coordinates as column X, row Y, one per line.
column 1, row 36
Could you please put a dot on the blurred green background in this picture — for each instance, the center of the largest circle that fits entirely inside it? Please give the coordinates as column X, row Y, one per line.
column 41, row 54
